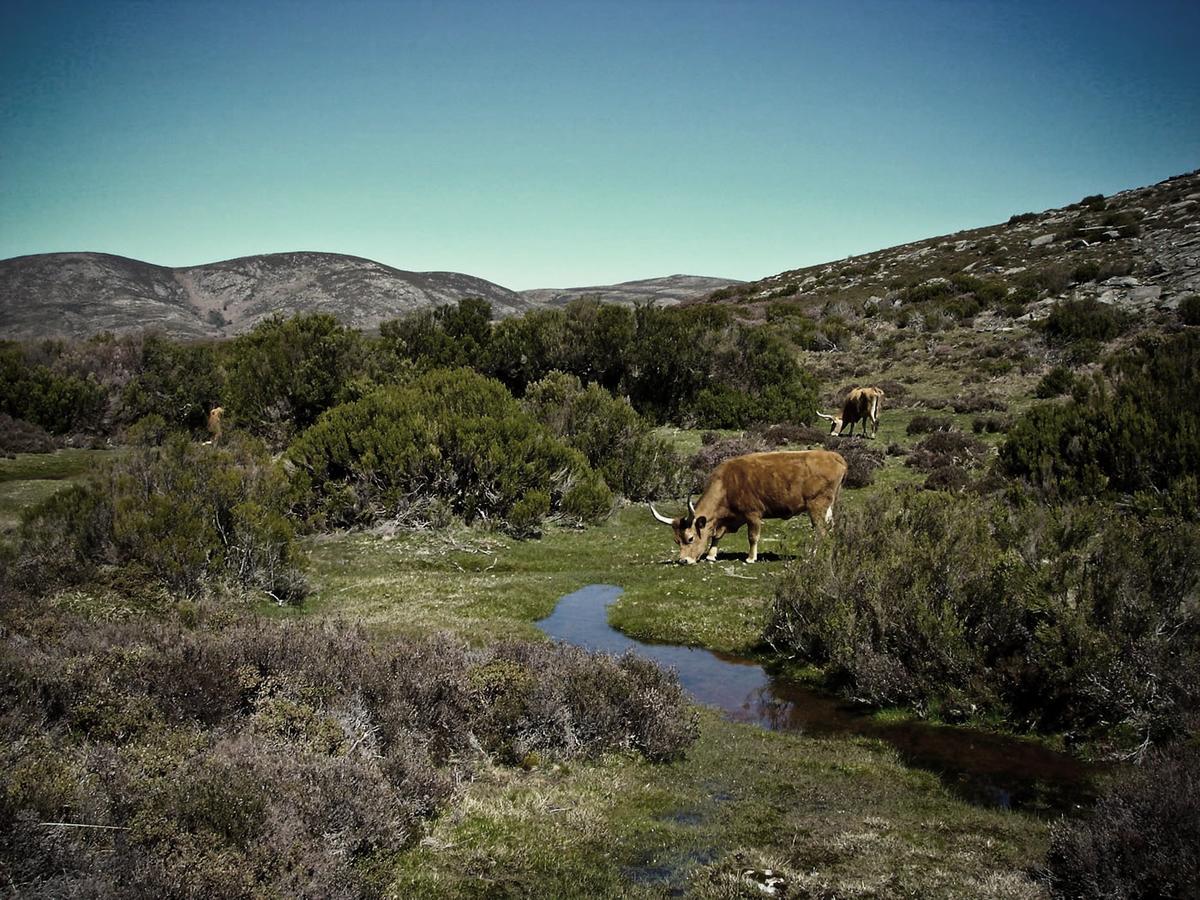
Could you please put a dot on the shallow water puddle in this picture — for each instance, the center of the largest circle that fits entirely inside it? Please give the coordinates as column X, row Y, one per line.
column 985, row 768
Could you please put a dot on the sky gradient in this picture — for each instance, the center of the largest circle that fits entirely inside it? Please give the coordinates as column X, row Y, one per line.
column 554, row 144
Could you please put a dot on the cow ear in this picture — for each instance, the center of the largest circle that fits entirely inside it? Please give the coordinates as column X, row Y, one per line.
column 701, row 521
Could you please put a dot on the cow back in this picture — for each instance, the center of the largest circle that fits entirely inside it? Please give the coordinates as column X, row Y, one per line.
column 777, row 484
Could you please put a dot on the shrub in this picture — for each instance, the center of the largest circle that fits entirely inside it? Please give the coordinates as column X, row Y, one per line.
column 1189, row 310
column 616, row 441
column 278, row 759
column 862, row 459
column 947, row 448
column 1094, row 202
column 924, row 424
column 186, row 513
column 973, row 403
column 991, row 424
column 17, row 436
column 286, row 372
column 712, row 454
column 451, row 436
column 1141, row 840
column 1074, row 321
column 781, row 435
column 1133, row 434
column 179, row 382
column 1065, row 619
column 59, row 402
column 1058, row 381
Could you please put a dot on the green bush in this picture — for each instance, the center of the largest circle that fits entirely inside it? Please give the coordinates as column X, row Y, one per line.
column 59, row 402
column 179, row 382
column 444, row 336
column 187, row 514
column 451, row 436
column 616, row 441
column 1058, row 381
column 1189, row 310
column 1078, row 618
column 1074, row 321
column 286, row 372
column 1135, row 433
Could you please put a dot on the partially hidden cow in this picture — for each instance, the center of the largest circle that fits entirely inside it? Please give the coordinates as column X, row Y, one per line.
column 861, row 405
column 746, row 489
column 214, row 424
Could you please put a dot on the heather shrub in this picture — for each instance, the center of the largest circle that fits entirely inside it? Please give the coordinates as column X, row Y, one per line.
column 924, row 424
column 185, row 514
column 258, row 759
column 1077, row 618
column 452, row 437
column 1142, row 839
column 18, row 436
column 782, row 435
column 862, row 459
column 712, row 453
column 974, row 403
column 615, row 440
column 947, row 448
column 991, row 424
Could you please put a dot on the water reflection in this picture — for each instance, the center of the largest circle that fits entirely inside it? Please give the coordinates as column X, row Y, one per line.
column 981, row 767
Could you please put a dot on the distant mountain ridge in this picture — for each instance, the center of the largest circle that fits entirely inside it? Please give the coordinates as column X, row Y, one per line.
column 77, row 294
column 665, row 291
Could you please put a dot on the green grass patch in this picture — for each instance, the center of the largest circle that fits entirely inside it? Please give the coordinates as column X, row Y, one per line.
column 834, row 817
column 488, row 586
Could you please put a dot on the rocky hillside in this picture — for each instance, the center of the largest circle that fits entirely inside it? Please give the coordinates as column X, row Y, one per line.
column 1138, row 249
column 663, row 291
column 77, row 294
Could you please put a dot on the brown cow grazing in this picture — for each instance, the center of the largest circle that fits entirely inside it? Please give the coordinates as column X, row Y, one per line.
column 214, row 423
column 861, row 405
column 746, row 489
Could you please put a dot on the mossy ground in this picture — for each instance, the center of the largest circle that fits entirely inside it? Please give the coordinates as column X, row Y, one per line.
column 837, row 817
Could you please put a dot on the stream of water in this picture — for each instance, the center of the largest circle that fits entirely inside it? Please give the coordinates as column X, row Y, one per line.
column 982, row 767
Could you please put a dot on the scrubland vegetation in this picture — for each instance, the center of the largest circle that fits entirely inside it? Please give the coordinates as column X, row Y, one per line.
column 1019, row 549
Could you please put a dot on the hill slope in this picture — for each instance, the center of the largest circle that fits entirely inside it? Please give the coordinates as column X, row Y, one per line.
column 1139, row 249
column 77, row 294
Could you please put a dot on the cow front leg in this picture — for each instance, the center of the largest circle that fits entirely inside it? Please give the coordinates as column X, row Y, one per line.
column 753, row 530
column 717, row 534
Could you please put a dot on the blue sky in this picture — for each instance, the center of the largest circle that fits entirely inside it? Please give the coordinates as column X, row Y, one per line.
column 551, row 144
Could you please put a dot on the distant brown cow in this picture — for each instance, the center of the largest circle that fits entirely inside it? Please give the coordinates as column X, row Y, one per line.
column 214, row 423
column 861, row 405
column 746, row 489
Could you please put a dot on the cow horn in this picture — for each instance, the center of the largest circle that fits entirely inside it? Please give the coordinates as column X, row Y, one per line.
column 691, row 506
column 660, row 516
column 823, row 416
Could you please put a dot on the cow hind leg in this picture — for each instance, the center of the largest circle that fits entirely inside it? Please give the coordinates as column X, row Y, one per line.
column 753, row 531
column 821, row 515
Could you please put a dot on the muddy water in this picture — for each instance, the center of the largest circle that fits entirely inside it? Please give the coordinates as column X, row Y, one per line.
column 981, row 767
